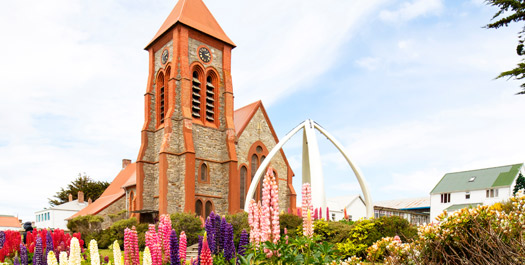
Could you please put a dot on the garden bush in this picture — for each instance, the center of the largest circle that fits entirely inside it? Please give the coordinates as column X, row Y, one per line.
column 85, row 224
column 190, row 224
column 291, row 222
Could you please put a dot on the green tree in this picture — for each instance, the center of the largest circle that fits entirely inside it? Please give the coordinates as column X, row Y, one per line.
column 91, row 188
column 511, row 11
column 520, row 184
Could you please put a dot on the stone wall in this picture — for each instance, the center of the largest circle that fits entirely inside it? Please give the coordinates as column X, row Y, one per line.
column 113, row 208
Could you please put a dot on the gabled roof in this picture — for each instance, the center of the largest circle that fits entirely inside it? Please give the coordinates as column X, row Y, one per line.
column 195, row 14
column 478, row 179
column 242, row 116
column 405, row 204
column 461, row 206
column 9, row 221
column 68, row 206
column 339, row 203
column 113, row 192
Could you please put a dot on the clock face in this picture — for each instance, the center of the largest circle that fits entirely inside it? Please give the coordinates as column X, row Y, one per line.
column 205, row 54
column 165, row 56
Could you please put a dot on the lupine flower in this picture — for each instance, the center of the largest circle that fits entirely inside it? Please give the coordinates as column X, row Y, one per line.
column 308, row 229
column 320, row 212
column 93, row 250
column 345, row 214
column 74, row 252
column 217, row 234
column 63, row 258
column 51, row 258
column 199, row 250
column 15, row 261
column 182, row 246
column 2, row 239
column 49, row 244
column 307, row 199
column 131, row 247
column 229, row 246
column 254, row 221
column 205, row 257
column 153, row 242
column 23, row 255
column 117, row 255
column 146, row 259
column 274, row 193
column 315, row 214
column 174, row 248
column 286, row 235
column 38, row 256
column 327, row 214
column 106, row 259
column 221, row 243
column 265, row 210
column 164, row 234
column 243, row 242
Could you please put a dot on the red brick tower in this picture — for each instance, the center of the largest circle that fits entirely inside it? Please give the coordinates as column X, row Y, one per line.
column 187, row 159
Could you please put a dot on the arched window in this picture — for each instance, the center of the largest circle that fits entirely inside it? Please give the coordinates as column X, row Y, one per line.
column 203, row 174
column 242, row 192
column 210, row 99
column 196, row 96
column 160, row 99
column 257, row 154
column 198, row 208
column 209, row 208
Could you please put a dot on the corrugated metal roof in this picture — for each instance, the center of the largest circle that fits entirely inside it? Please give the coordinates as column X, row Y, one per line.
column 481, row 179
column 339, row 203
column 461, row 206
column 405, row 204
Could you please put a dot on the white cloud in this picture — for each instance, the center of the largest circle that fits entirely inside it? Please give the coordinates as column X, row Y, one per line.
column 411, row 10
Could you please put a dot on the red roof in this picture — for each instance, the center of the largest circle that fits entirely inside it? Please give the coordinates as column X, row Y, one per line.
column 9, row 221
column 195, row 14
column 242, row 116
column 112, row 193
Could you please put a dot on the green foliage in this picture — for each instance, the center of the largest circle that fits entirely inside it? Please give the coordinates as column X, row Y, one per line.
column 362, row 235
column 520, row 184
column 190, row 224
column 333, row 232
column 107, row 236
column 511, row 11
column 291, row 222
column 91, row 188
column 239, row 221
column 390, row 226
column 86, row 224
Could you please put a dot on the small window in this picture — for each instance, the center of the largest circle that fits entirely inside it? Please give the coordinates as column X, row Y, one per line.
column 210, row 99
column 242, row 185
column 198, row 207
column 196, row 96
column 491, row 193
column 467, row 195
column 204, row 173
column 209, row 208
column 445, row 198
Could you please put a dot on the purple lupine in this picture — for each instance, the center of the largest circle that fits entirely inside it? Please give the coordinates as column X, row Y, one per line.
column 199, row 250
column 2, row 239
column 222, row 234
column 217, row 233
column 49, row 246
column 37, row 257
column 244, row 240
column 210, row 230
column 15, row 261
column 211, row 238
column 229, row 246
column 174, row 248
column 23, row 254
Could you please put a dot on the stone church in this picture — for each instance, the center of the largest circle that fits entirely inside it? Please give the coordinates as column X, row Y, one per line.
column 197, row 153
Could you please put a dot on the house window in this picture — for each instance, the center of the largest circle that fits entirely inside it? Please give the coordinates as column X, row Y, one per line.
column 491, row 193
column 203, row 175
column 467, row 195
column 445, row 198
column 333, row 216
column 208, row 208
column 196, row 96
column 242, row 185
column 198, row 207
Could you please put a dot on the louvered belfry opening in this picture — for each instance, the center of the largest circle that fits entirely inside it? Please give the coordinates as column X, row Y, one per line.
column 196, row 96
column 210, row 99
column 160, row 98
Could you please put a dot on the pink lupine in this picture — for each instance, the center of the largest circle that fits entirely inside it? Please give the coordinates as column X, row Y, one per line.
column 265, row 210
column 164, row 234
column 276, row 228
column 308, row 226
column 320, row 212
column 154, row 244
column 315, row 214
column 307, row 200
column 131, row 247
column 182, row 247
column 327, row 214
column 254, row 221
column 205, row 257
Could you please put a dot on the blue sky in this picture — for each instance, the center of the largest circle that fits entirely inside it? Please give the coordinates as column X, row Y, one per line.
column 406, row 86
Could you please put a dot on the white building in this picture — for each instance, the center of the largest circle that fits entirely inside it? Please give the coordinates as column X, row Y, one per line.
column 54, row 217
column 354, row 204
column 414, row 210
column 464, row 189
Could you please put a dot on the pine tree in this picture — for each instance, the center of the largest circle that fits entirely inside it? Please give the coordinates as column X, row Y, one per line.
column 520, row 184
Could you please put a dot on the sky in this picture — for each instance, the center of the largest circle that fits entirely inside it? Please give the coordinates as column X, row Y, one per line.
column 407, row 87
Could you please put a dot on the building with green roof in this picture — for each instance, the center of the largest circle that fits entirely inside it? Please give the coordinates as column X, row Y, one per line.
column 470, row 188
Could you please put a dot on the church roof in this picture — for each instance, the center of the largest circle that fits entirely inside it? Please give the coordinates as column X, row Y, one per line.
column 242, row 116
column 112, row 193
column 195, row 14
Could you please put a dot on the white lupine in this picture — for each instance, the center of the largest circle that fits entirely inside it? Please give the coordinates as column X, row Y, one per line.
column 93, row 249
column 146, row 259
column 117, row 255
column 51, row 258
column 74, row 252
column 63, row 258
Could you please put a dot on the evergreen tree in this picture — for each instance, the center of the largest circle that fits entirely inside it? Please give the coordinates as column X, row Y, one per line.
column 520, row 184
column 91, row 188
column 511, row 11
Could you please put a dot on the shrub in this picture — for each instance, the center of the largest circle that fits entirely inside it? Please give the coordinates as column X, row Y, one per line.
column 190, row 224
column 291, row 222
column 86, row 224
column 391, row 226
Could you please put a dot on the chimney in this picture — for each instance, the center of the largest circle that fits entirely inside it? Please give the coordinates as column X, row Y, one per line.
column 90, row 201
column 70, row 197
column 125, row 163
column 80, row 197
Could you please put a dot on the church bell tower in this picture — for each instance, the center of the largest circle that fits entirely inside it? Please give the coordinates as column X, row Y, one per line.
column 187, row 160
